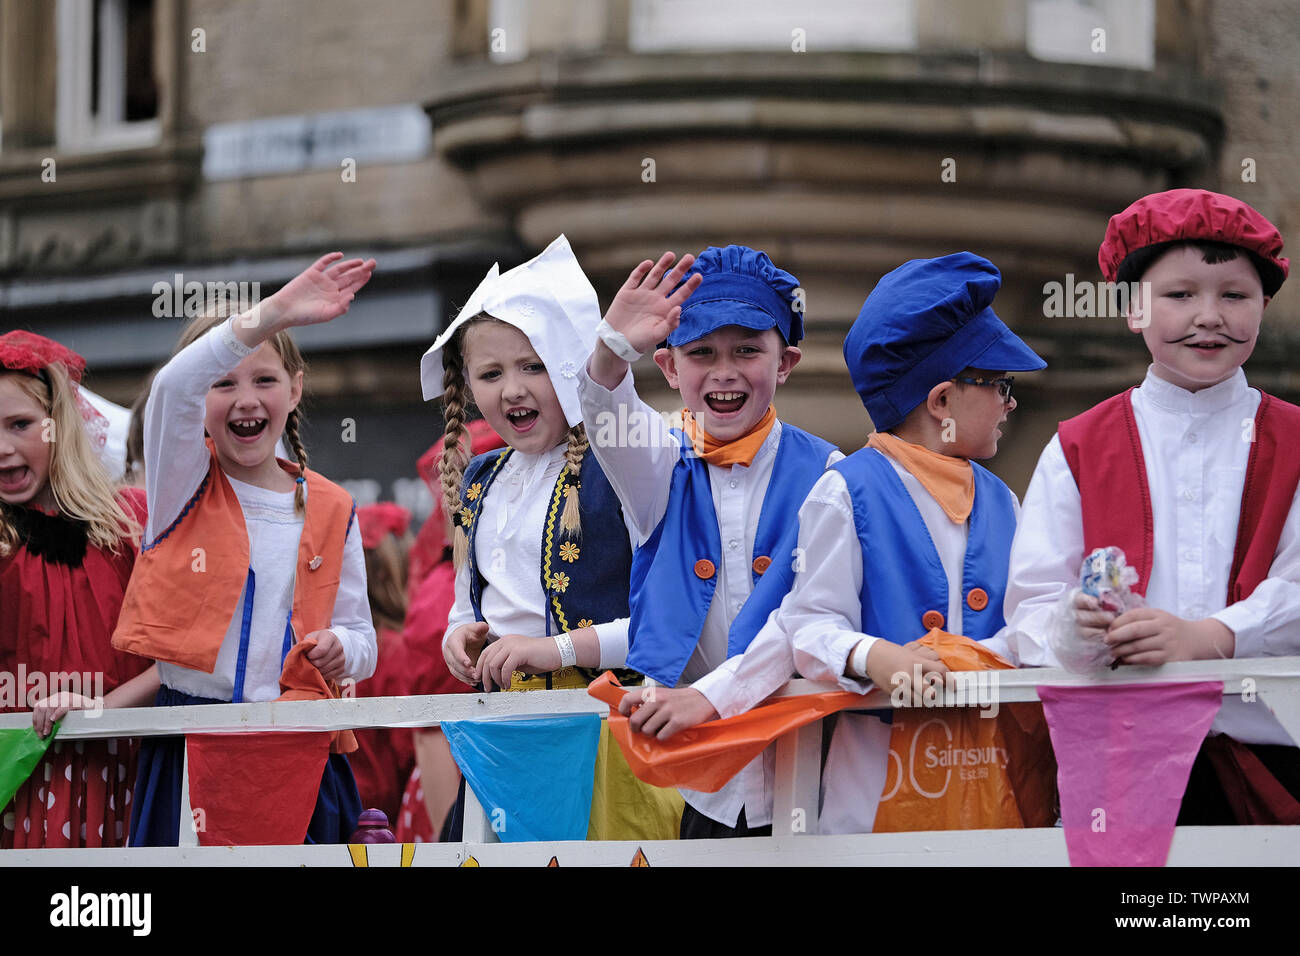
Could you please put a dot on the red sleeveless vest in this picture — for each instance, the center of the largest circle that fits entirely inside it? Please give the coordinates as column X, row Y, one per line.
column 1104, row 452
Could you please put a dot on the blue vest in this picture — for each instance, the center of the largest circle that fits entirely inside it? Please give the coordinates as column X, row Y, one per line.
column 585, row 579
column 902, row 577
column 674, row 574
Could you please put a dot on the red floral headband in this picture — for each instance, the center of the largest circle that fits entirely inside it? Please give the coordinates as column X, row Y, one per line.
column 32, row 354
column 23, row 351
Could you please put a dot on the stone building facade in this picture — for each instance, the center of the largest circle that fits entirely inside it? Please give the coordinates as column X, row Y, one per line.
column 146, row 140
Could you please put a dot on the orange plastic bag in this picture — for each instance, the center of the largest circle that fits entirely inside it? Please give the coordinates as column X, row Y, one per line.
column 954, row 768
column 705, row 757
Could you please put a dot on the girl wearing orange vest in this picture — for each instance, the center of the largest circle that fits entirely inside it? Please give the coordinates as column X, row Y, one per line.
column 244, row 554
column 67, row 545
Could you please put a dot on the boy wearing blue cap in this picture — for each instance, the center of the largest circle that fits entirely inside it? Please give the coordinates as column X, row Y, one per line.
column 905, row 535
column 712, row 502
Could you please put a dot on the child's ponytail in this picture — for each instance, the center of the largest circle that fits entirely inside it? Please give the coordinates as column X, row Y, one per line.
column 571, row 516
column 451, row 468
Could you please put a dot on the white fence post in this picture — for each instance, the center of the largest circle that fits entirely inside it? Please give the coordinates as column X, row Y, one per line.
column 797, row 789
column 189, row 834
column 477, row 828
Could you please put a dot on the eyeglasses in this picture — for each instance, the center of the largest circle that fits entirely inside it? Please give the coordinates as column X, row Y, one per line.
column 1003, row 384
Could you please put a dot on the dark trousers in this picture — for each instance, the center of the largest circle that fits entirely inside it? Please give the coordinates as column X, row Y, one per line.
column 696, row 826
column 1206, row 803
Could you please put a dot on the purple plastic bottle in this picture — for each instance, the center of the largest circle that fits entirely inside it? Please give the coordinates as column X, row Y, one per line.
column 372, row 827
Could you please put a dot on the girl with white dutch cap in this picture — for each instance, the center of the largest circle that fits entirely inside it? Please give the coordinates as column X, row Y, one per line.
column 541, row 544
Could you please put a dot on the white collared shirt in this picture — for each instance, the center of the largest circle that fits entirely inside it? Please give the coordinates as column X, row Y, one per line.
column 641, row 473
column 817, row 626
column 1196, row 446
column 176, row 462
column 508, row 553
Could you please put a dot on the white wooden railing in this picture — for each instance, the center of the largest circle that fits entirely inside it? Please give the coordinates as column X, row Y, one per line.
column 1275, row 681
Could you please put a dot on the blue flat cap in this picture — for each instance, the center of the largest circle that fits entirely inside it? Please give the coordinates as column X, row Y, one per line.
column 741, row 287
column 924, row 323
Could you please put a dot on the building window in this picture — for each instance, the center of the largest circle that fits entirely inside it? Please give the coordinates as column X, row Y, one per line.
column 107, row 87
column 1096, row 32
column 662, row 26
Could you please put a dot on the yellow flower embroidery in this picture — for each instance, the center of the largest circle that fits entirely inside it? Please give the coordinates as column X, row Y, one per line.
column 474, row 491
column 560, row 581
column 571, row 489
column 569, row 551
column 466, row 517
column 584, row 623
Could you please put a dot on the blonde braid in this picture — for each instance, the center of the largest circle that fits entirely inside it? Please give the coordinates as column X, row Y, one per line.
column 571, row 517
column 451, row 468
column 300, row 454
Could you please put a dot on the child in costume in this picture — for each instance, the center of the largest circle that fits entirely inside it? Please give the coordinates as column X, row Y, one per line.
column 385, row 756
column 431, row 791
column 541, row 544
column 905, row 535
column 1193, row 474
column 711, row 503
column 67, row 546
column 277, row 547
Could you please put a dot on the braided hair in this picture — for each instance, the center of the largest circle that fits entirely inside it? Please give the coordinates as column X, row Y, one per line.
column 571, row 517
column 451, row 467
column 457, row 399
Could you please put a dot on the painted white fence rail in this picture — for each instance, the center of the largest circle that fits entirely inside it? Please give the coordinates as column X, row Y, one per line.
column 1275, row 682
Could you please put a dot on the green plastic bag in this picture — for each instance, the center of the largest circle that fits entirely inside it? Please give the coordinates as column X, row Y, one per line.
column 20, row 752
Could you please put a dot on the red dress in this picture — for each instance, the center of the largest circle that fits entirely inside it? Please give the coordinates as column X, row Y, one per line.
column 384, row 756
column 61, row 599
column 427, row 673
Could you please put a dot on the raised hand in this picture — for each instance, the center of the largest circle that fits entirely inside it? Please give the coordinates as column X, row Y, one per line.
column 646, row 309
column 319, row 293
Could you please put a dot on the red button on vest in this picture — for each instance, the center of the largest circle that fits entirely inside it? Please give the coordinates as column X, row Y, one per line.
column 931, row 619
column 704, row 569
column 762, row 563
column 977, row 599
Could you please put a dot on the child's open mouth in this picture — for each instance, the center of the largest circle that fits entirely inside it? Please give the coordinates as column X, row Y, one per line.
column 725, row 403
column 248, row 429
column 13, row 479
column 522, row 419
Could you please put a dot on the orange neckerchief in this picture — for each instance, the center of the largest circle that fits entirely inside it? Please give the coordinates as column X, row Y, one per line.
column 724, row 454
column 950, row 481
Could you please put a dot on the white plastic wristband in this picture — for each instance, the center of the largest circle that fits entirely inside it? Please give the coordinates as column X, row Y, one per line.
column 617, row 342
column 568, row 655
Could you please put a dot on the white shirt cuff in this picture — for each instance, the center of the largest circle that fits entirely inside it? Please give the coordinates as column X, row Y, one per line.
column 612, row 637
column 231, row 341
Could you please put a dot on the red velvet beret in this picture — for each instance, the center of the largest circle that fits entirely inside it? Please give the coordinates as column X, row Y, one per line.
column 1190, row 214
column 23, row 351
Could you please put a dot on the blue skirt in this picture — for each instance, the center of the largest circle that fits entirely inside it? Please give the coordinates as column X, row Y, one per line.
column 156, row 802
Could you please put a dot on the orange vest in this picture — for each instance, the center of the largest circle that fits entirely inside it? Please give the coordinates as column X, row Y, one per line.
column 186, row 584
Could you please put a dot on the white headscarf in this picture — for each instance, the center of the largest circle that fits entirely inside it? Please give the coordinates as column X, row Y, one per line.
column 551, row 301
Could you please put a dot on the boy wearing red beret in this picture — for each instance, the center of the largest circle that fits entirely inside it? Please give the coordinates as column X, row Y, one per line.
column 1194, row 475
